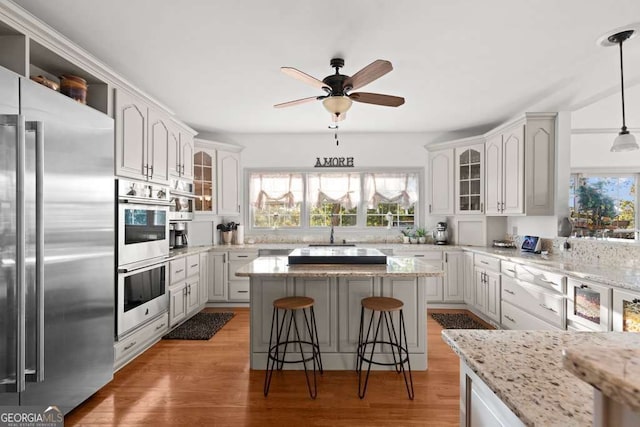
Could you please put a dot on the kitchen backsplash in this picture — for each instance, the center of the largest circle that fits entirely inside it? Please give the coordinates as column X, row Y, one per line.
column 597, row 251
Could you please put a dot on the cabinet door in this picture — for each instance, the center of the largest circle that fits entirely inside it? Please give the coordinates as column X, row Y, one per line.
column 493, row 175
column 433, row 290
column 513, row 171
column 204, row 166
column 588, row 304
column 218, row 277
column 540, row 170
column 480, row 290
column 205, row 278
column 351, row 291
column 323, row 292
column 441, row 182
column 228, row 183
column 177, row 304
column 271, row 288
column 158, row 148
column 186, row 155
column 626, row 311
column 193, row 294
column 493, row 295
column 453, row 289
column 470, row 179
column 131, row 135
column 409, row 292
column 469, row 279
column 173, row 152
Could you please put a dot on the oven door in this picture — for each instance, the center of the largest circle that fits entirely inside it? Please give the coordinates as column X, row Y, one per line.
column 143, row 232
column 142, row 295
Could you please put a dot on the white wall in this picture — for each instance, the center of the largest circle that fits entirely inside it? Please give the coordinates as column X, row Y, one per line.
column 592, row 151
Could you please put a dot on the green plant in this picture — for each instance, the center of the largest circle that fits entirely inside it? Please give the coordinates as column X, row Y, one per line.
column 408, row 232
column 421, row 232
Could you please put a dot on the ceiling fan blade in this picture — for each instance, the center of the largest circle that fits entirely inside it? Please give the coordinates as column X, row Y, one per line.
column 304, row 77
column 296, row 102
column 338, row 118
column 377, row 98
column 371, row 72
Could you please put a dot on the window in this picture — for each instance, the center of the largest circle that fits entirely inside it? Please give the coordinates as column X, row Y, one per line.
column 356, row 200
column 276, row 200
column 603, row 205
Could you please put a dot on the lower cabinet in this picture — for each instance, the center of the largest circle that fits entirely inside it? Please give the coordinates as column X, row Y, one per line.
column 205, row 272
column 454, row 269
column 217, row 284
column 626, row 311
column 469, row 279
column 487, row 288
column 239, row 286
column 131, row 346
column 514, row 317
column 184, row 289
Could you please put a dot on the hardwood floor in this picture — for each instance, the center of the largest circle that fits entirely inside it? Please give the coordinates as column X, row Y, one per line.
column 209, row 383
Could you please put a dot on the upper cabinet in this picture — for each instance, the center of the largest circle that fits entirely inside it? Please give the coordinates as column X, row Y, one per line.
column 228, row 183
column 441, row 174
column 469, row 175
column 520, row 169
column 142, row 140
column 204, row 164
column 181, row 153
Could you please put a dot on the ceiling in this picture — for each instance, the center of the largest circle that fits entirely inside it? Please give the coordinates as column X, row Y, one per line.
column 463, row 66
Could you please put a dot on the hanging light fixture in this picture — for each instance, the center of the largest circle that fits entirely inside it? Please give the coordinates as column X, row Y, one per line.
column 624, row 141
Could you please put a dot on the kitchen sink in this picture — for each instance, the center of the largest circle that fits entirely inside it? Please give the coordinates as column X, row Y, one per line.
column 330, row 245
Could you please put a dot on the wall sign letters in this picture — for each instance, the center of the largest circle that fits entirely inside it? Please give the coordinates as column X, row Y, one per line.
column 334, row 162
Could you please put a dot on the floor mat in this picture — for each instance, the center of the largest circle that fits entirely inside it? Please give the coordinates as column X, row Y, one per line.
column 457, row 321
column 202, row 326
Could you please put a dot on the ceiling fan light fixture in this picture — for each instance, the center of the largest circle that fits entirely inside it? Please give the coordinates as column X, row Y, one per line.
column 624, row 142
column 337, row 105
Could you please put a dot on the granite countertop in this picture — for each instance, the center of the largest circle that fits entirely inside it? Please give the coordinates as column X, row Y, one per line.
column 525, row 370
column 277, row 266
column 614, row 371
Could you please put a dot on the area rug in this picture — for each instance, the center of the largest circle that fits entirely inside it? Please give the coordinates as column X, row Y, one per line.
column 202, row 326
column 457, row 321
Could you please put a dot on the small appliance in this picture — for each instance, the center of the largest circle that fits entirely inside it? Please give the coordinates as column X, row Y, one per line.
column 531, row 244
column 178, row 235
column 440, row 235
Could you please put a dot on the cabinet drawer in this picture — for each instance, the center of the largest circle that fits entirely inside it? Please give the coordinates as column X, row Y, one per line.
column 426, row 255
column 485, row 261
column 239, row 290
column 515, row 318
column 544, row 305
column 508, row 268
column 540, row 277
column 131, row 345
column 193, row 265
column 243, row 256
column 178, row 270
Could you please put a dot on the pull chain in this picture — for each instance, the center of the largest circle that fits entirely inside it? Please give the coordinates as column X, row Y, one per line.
column 335, row 135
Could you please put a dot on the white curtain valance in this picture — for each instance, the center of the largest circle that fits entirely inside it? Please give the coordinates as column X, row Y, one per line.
column 342, row 189
column 287, row 198
column 391, row 188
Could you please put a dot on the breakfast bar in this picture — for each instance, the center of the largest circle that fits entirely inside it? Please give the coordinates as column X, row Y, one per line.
column 337, row 290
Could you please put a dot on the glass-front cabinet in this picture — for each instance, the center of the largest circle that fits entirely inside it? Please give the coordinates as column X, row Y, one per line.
column 588, row 305
column 470, row 179
column 204, row 173
column 626, row 311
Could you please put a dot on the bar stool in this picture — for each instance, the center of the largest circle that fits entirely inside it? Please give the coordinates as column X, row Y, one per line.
column 384, row 306
column 278, row 350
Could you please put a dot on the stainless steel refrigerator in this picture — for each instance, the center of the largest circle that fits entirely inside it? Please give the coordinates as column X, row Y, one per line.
column 56, row 247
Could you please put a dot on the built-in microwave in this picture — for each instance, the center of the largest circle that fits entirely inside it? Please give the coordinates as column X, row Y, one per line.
column 143, row 222
column 141, row 296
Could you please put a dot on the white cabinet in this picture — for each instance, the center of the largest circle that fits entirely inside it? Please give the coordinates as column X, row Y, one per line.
column 130, row 347
column 520, row 171
column 325, row 307
column 469, row 173
column 181, row 151
column 407, row 291
column 184, row 288
column 228, row 165
column 177, row 304
column 204, row 180
column 351, row 292
column 205, row 277
column 588, row 305
column 543, row 304
column 626, row 311
column 441, row 182
column 142, row 139
column 239, row 286
column 469, row 279
column 434, row 289
column 454, row 268
column 218, row 286
column 487, row 286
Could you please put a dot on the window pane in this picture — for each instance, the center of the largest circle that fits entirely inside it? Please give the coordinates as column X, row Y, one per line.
column 334, row 198
column 276, row 200
column 603, row 206
column 395, row 194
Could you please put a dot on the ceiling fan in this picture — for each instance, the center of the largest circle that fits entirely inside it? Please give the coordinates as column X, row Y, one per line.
column 338, row 97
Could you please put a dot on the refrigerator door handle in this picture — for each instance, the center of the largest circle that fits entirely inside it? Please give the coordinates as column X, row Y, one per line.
column 38, row 127
column 21, row 269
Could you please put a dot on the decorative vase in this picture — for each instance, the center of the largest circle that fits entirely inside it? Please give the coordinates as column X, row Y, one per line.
column 422, row 240
column 227, row 237
column 405, row 239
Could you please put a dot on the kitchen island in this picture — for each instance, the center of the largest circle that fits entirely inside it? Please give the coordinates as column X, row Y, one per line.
column 518, row 378
column 337, row 291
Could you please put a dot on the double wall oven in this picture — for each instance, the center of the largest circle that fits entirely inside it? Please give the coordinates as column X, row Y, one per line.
column 143, row 249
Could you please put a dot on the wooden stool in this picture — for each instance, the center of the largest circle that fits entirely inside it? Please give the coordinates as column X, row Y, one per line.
column 385, row 306
column 290, row 305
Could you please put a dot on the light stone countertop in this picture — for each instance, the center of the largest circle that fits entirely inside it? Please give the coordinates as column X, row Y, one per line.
column 614, row 371
column 525, row 370
column 396, row 266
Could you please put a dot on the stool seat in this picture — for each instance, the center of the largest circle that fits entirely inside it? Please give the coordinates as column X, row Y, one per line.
column 293, row 303
column 382, row 303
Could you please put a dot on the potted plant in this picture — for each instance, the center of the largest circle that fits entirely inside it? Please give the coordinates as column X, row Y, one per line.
column 421, row 234
column 226, row 231
column 406, row 234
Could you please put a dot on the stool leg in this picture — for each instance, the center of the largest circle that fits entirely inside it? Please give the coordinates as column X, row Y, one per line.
column 313, row 392
column 286, row 337
column 361, row 340
column 362, row 391
column 395, row 343
column 312, row 329
column 271, row 360
column 403, row 334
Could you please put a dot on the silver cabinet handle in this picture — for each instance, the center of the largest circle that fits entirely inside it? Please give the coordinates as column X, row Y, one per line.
column 446, row 257
column 548, row 281
column 159, row 327
column 194, row 265
column 150, row 171
column 243, row 256
column 509, row 291
column 179, row 271
column 481, row 207
column 484, row 262
column 546, row 307
column 502, row 206
column 128, row 347
column 429, row 208
column 418, row 255
column 243, row 292
column 498, row 207
column 509, row 318
column 510, row 271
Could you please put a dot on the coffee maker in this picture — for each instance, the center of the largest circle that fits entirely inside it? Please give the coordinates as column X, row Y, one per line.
column 440, row 235
column 178, row 235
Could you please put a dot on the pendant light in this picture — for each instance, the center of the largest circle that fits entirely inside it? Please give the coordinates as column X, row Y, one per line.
column 624, row 141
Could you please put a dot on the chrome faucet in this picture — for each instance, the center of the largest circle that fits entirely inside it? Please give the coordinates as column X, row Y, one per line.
column 331, row 235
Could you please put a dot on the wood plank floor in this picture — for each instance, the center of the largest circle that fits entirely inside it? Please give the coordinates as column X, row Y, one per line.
column 209, row 383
